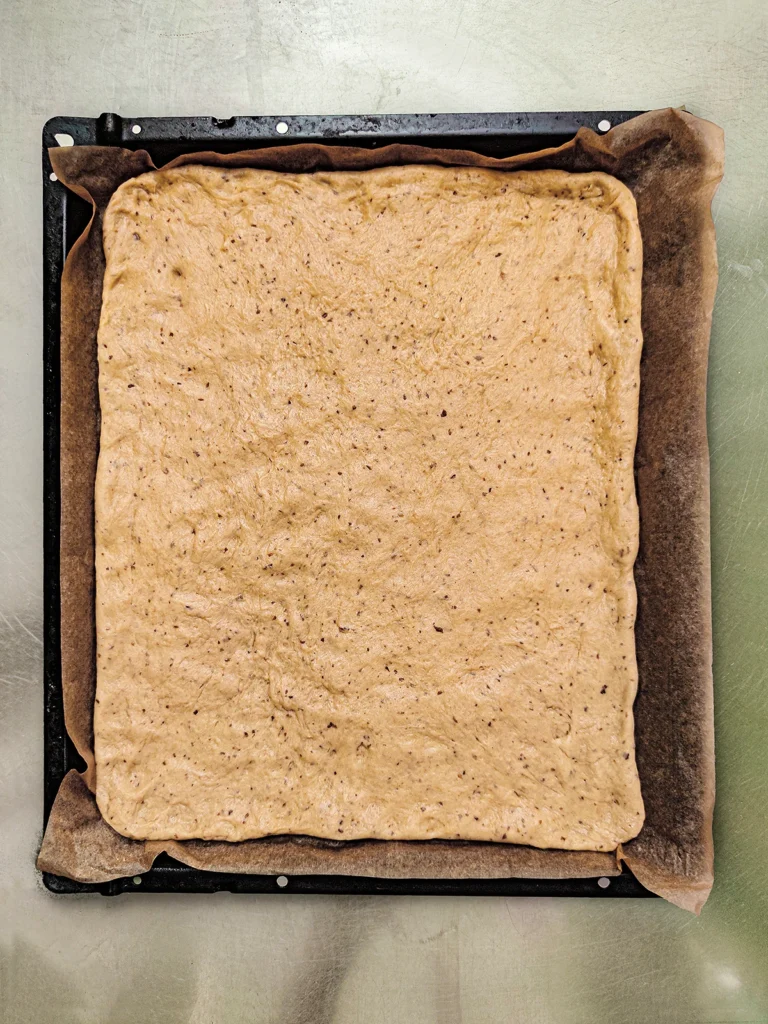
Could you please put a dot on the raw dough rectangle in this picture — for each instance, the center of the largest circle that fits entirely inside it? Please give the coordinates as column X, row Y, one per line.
column 365, row 508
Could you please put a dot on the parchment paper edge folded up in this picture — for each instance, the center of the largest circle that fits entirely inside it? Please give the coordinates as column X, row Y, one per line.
column 672, row 162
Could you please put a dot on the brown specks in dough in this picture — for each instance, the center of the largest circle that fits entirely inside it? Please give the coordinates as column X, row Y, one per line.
column 365, row 543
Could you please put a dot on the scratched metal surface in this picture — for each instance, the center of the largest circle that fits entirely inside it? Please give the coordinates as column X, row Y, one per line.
column 317, row 960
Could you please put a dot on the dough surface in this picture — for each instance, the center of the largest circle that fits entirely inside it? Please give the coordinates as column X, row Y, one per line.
column 365, row 506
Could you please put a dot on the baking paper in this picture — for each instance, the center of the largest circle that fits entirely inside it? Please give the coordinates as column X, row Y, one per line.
column 672, row 162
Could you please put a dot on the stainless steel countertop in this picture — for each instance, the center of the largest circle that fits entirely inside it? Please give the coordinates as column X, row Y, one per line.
column 206, row 959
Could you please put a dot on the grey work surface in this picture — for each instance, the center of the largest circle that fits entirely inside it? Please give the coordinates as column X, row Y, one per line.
column 322, row 959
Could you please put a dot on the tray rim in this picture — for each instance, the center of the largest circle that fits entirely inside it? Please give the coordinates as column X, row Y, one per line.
column 519, row 131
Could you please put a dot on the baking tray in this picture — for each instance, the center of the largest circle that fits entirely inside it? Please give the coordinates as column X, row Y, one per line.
column 65, row 216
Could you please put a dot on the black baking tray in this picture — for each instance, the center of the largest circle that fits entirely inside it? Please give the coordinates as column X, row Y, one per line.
column 64, row 218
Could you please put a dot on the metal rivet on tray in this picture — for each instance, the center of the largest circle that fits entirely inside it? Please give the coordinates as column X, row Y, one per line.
column 603, row 882
column 282, row 881
column 64, row 139
column 281, row 127
column 137, row 879
column 604, row 126
column 136, row 128
column 52, row 176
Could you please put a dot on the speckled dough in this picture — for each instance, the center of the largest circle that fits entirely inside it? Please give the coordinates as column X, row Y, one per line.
column 365, row 507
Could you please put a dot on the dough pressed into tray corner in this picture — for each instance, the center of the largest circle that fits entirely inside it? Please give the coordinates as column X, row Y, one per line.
column 365, row 506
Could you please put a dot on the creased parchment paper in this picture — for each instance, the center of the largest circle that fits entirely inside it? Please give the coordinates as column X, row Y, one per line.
column 672, row 162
